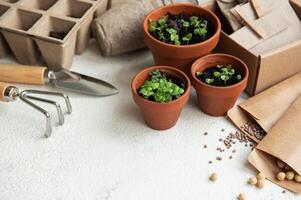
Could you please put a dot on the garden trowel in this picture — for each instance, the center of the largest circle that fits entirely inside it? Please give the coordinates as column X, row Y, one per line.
column 62, row 79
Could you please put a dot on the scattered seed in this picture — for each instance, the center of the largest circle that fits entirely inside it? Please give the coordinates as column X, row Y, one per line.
column 213, row 177
column 280, row 176
column 230, row 157
column 205, row 146
column 210, row 162
column 220, row 140
column 290, row 175
column 252, row 181
column 283, row 191
column 260, row 176
column 206, row 133
column 260, row 184
column 242, row 196
column 219, row 158
column 254, row 129
column 223, row 130
column 234, row 151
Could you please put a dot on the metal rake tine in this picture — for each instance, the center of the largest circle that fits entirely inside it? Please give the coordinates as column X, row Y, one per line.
column 58, row 107
column 48, row 130
column 66, row 97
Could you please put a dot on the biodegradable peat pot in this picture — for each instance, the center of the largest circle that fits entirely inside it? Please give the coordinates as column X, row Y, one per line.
column 160, row 116
column 215, row 100
column 180, row 56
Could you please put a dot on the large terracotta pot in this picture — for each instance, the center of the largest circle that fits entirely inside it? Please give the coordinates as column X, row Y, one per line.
column 213, row 100
column 160, row 116
column 180, row 56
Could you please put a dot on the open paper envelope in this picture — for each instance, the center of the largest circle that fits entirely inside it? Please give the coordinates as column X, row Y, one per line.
column 267, row 107
column 282, row 142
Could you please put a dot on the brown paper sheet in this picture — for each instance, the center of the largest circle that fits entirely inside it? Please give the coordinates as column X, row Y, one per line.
column 282, row 142
column 267, row 107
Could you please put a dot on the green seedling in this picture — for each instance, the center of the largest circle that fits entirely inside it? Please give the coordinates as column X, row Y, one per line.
column 160, row 89
column 220, row 75
column 179, row 29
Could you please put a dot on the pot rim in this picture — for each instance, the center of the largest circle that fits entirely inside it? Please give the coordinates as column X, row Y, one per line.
column 195, row 64
column 168, row 68
column 216, row 33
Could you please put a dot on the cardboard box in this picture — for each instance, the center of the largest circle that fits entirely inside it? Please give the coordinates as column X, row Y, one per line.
column 266, row 69
column 27, row 27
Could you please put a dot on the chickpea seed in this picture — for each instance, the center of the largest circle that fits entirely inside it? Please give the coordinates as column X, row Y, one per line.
column 260, row 176
column 260, row 184
column 298, row 178
column 253, row 181
column 289, row 175
column 242, row 196
column 214, row 177
column 281, row 176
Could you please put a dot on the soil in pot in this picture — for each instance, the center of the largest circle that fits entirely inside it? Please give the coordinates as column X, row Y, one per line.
column 220, row 75
column 179, row 34
column 181, row 29
column 161, row 92
column 218, row 80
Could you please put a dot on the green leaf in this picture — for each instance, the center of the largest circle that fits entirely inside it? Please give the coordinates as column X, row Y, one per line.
column 159, row 88
column 198, row 74
column 185, row 24
column 162, row 20
column 187, row 37
column 217, row 74
column 209, row 81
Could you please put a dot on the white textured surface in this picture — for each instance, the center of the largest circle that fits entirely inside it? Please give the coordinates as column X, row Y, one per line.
column 105, row 151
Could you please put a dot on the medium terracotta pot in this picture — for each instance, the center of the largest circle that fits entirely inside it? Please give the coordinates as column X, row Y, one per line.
column 160, row 116
column 180, row 56
column 213, row 100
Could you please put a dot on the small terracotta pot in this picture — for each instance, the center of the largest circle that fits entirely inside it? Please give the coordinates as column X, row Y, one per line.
column 213, row 100
column 181, row 56
column 160, row 116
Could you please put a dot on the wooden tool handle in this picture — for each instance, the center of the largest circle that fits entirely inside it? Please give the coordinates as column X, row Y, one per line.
column 22, row 74
column 3, row 87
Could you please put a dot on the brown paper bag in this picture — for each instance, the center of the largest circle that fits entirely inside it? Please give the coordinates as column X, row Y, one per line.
column 267, row 107
column 284, row 15
column 260, row 30
column 226, row 6
column 283, row 142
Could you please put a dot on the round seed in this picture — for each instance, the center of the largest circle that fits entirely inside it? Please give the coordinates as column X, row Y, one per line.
column 252, row 181
column 298, row 178
column 260, row 176
column 260, row 184
column 281, row 176
column 242, row 196
column 289, row 175
column 214, row 177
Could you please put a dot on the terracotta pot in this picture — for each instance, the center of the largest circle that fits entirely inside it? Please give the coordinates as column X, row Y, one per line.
column 182, row 56
column 213, row 100
column 160, row 116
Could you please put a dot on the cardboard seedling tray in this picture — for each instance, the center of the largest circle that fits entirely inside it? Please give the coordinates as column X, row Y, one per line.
column 51, row 30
